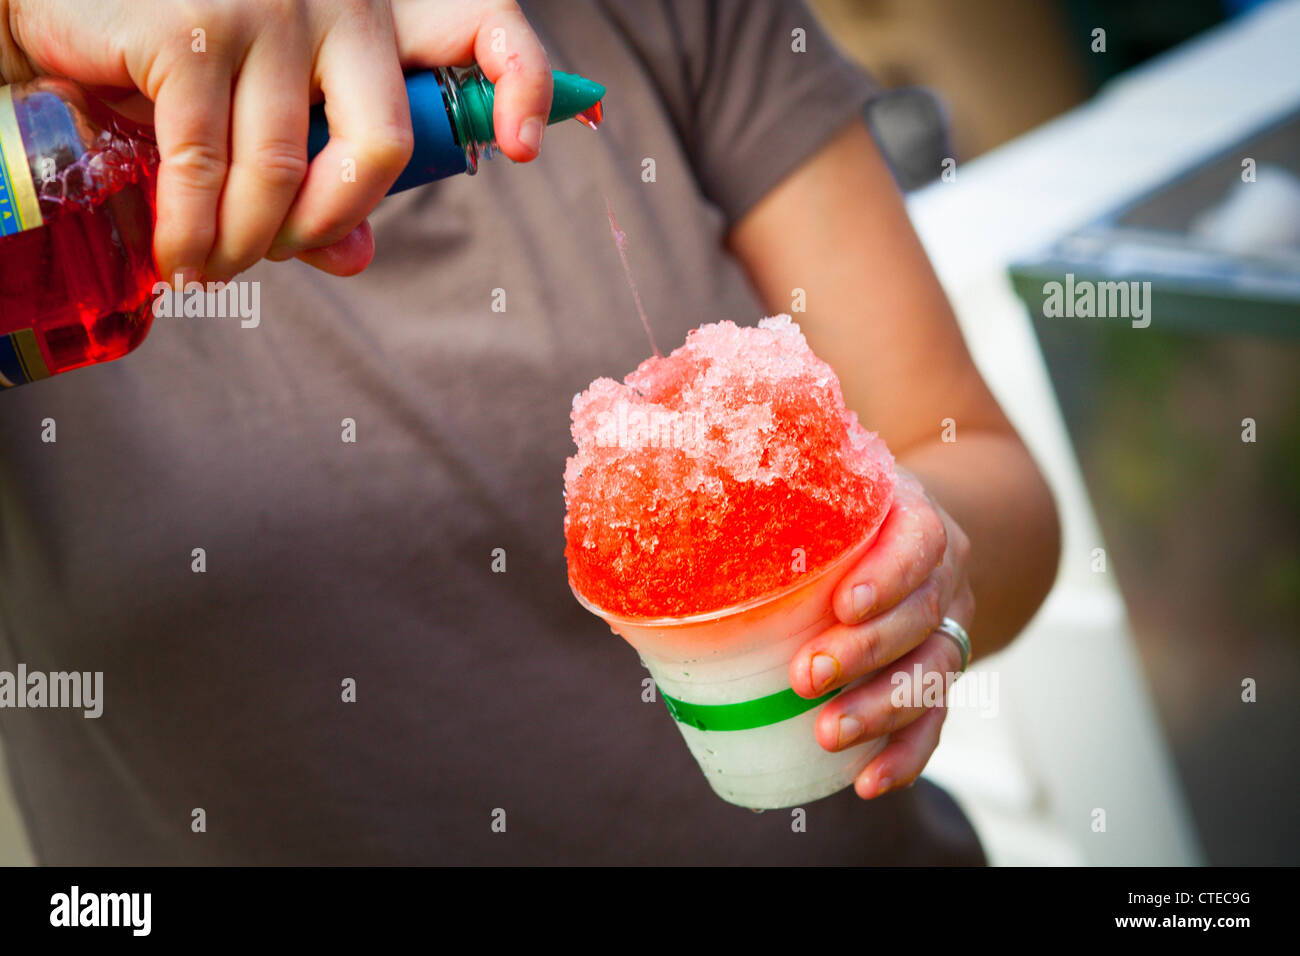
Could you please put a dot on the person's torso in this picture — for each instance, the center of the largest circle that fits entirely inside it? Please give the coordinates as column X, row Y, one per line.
column 422, row 561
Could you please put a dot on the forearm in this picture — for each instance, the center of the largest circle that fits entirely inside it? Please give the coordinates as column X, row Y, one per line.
column 838, row 229
column 987, row 481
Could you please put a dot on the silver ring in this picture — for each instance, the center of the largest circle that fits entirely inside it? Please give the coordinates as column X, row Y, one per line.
column 952, row 629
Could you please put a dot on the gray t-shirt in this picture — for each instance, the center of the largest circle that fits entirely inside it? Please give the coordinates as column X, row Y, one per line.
column 477, row 690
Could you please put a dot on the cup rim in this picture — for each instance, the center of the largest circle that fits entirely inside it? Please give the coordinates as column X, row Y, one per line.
column 706, row 617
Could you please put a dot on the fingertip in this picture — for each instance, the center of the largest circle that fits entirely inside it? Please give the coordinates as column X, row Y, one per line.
column 530, row 135
column 872, row 782
column 864, row 786
column 855, row 598
column 181, row 249
column 827, row 730
column 816, row 667
column 349, row 256
column 178, row 277
column 526, row 123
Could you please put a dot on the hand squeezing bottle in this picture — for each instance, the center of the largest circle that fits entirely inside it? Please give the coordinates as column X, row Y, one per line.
column 77, row 210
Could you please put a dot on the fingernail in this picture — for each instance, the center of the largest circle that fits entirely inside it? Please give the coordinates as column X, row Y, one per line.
column 850, row 727
column 883, row 785
column 864, row 599
column 530, row 132
column 823, row 671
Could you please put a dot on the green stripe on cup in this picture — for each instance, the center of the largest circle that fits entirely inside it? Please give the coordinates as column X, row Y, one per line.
column 745, row 715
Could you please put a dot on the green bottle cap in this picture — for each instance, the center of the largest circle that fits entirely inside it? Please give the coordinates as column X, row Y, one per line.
column 573, row 95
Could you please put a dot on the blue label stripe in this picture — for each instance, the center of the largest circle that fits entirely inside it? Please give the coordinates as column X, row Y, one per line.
column 19, row 206
column 10, row 219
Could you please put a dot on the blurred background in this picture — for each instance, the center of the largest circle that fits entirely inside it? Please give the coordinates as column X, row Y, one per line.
column 1002, row 67
column 1200, row 527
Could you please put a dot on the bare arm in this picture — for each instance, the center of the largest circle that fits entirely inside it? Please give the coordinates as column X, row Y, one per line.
column 838, row 229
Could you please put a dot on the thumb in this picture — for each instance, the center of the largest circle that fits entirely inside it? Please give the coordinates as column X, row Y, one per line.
column 498, row 37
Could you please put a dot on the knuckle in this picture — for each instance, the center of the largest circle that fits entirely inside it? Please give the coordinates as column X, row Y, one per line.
column 283, row 11
column 280, row 164
column 216, row 18
column 866, row 648
column 947, row 577
column 535, row 71
column 942, row 582
column 327, row 226
column 968, row 600
column 906, row 564
column 324, row 230
column 890, row 719
column 937, row 531
column 198, row 164
column 932, row 603
column 389, row 150
column 960, row 545
column 350, row 14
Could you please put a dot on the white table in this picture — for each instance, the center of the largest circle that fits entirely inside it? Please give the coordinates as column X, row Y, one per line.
column 1077, row 730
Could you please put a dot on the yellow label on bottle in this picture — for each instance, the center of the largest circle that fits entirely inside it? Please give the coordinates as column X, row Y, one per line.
column 19, row 209
column 20, row 359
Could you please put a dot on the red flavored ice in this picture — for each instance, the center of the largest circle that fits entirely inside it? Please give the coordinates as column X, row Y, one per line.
column 717, row 475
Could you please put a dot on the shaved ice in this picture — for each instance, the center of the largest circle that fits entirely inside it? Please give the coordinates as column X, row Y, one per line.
column 718, row 475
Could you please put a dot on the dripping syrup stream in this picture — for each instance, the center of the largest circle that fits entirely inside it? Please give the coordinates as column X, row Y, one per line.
column 620, row 240
column 592, row 116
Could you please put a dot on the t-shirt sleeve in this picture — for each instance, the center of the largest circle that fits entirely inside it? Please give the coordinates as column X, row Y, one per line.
column 769, row 89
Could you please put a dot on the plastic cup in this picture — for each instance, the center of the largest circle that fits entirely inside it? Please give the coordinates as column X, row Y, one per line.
column 725, row 678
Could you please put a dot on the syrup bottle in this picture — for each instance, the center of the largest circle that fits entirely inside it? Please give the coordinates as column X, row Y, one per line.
column 77, row 184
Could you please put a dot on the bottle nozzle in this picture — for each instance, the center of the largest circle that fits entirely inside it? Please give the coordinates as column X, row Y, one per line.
column 574, row 96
